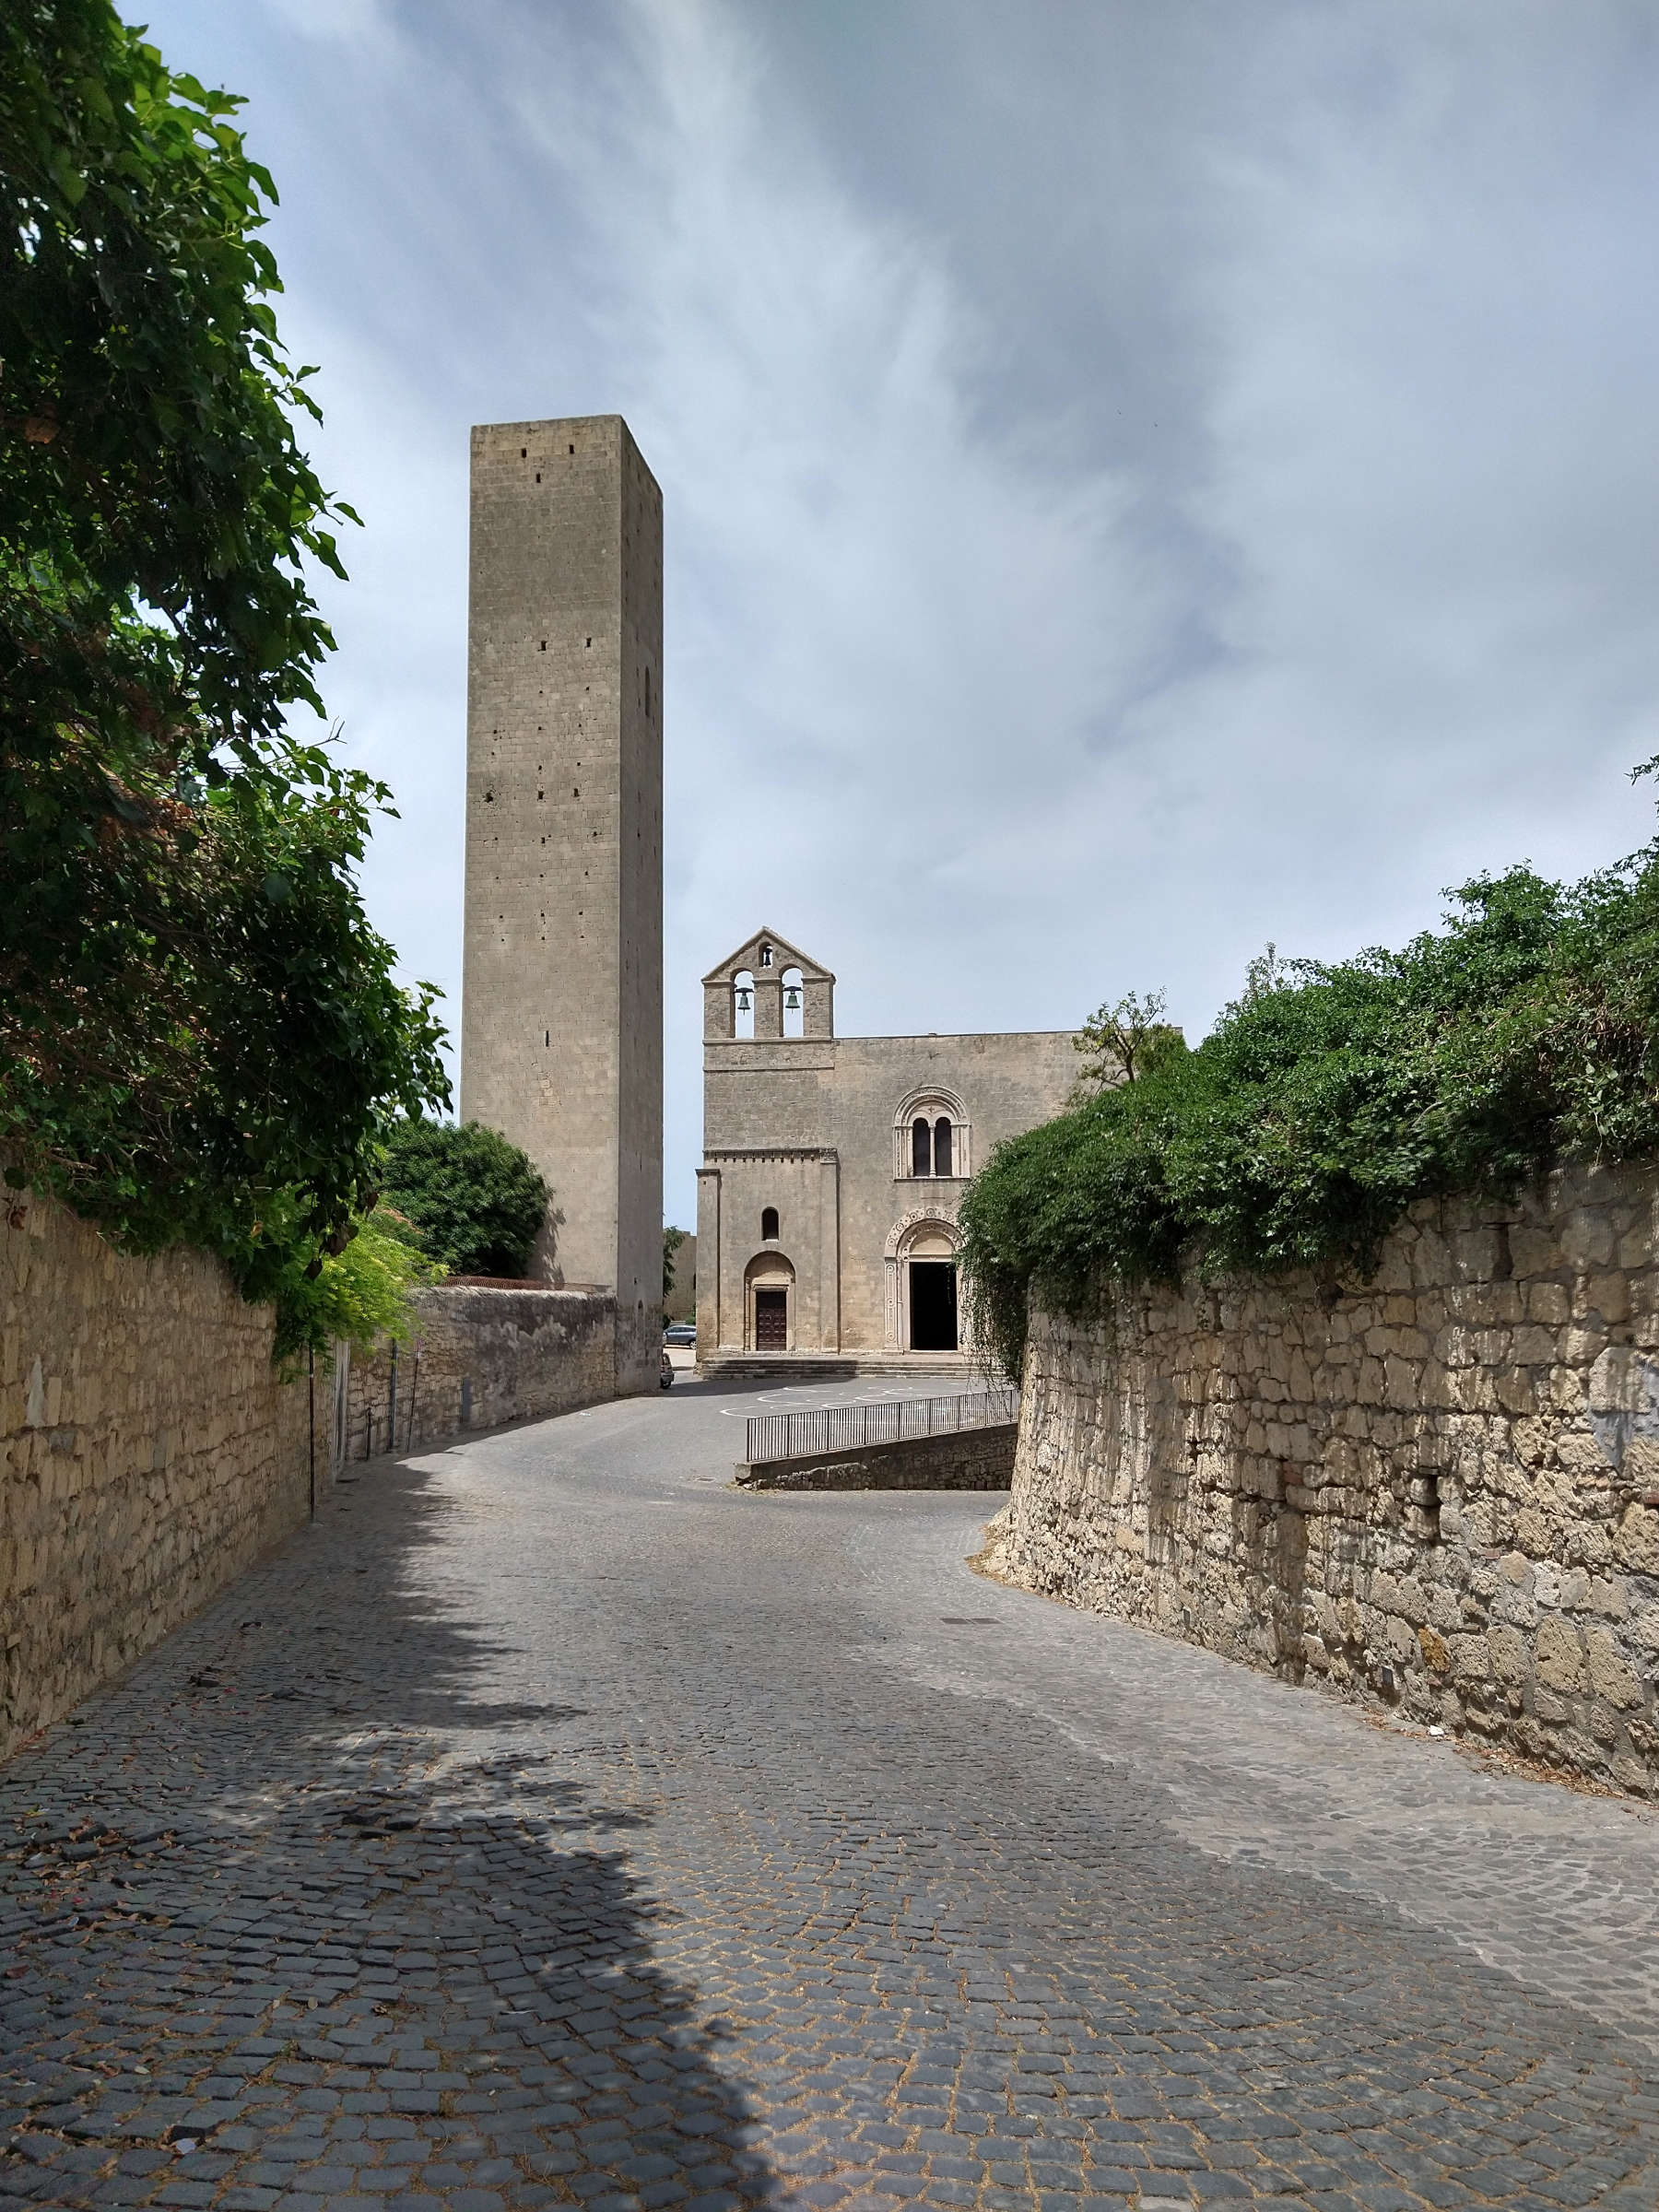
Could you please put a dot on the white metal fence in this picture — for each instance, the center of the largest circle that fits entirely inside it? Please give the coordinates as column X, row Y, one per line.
column 883, row 1421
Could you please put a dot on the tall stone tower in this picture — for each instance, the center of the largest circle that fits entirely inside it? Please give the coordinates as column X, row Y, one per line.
column 561, row 1026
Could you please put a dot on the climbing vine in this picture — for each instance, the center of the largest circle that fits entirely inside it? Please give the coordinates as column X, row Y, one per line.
column 1329, row 1098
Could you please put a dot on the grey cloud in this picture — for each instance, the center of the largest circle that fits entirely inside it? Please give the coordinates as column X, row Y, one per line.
column 1139, row 480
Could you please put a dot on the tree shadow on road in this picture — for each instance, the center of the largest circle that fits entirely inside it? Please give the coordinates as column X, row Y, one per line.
column 350, row 1908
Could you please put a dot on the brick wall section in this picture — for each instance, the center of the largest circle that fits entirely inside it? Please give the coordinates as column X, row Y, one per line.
column 979, row 1459
column 1437, row 1491
column 148, row 1451
column 519, row 1355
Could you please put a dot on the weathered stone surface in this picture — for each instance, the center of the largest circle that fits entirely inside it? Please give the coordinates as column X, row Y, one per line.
column 553, row 1827
column 150, row 1451
column 147, row 1448
column 974, row 1459
column 480, row 1357
column 1438, row 1489
column 562, row 1013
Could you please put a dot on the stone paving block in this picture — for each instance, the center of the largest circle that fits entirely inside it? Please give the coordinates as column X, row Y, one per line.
column 856, row 1936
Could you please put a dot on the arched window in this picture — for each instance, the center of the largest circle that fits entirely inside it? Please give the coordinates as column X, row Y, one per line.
column 768, row 1224
column 933, row 1140
column 742, row 1003
column 795, row 1015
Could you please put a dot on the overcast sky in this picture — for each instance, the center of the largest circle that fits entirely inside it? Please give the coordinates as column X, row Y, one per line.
column 1142, row 478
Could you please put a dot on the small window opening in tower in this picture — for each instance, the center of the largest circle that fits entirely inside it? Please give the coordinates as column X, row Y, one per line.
column 572, row 449
column 742, row 1005
column 768, row 1224
column 942, row 1147
column 921, row 1146
column 766, row 956
column 794, row 1017
column 523, row 452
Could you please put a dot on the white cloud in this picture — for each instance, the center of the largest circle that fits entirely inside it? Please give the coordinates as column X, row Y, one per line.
column 1139, row 482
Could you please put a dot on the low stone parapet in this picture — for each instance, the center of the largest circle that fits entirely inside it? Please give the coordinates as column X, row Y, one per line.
column 482, row 1354
column 973, row 1459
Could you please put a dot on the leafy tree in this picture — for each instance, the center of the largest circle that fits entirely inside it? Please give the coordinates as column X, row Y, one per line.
column 1123, row 1043
column 361, row 1293
column 671, row 1240
column 479, row 1201
column 1330, row 1098
column 200, row 1039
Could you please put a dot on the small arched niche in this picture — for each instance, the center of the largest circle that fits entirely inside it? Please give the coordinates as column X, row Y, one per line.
column 768, row 1225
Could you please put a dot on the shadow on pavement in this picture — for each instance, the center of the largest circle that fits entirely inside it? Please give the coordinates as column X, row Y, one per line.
column 304, row 1908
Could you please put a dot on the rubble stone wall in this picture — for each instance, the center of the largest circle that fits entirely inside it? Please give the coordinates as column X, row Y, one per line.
column 480, row 1356
column 149, row 1453
column 971, row 1459
column 1437, row 1489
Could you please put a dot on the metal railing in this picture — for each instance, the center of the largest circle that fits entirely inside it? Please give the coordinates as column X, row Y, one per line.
column 883, row 1421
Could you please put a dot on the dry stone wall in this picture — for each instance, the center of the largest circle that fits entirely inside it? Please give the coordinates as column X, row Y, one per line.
column 480, row 1356
column 1437, row 1491
column 149, row 1453
column 971, row 1459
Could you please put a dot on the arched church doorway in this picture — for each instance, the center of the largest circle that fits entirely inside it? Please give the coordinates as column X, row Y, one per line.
column 931, row 1289
column 768, row 1294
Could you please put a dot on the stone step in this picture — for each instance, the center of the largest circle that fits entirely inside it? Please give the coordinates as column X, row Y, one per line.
column 833, row 1367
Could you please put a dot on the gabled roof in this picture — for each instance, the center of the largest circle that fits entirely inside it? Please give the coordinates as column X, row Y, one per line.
column 787, row 956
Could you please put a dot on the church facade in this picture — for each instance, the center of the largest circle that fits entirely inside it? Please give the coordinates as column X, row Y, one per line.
column 833, row 1167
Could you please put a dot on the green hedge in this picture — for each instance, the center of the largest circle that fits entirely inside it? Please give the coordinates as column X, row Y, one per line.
column 479, row 1201
column 1323, row 1105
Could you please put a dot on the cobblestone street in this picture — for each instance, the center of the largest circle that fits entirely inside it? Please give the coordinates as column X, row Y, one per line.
column 552, row 1823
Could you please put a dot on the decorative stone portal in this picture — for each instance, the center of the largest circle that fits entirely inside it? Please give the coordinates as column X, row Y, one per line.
column 933, row 1306
column 922, row 1285
column 769, row 1280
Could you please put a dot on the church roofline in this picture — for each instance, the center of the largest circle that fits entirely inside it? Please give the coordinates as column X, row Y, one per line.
column 723, row 971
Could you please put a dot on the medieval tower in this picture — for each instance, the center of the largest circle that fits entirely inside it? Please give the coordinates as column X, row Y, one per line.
column 561, row 1033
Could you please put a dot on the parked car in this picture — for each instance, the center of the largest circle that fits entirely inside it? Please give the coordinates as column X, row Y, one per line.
column 680, row 1332
column 665, row 1374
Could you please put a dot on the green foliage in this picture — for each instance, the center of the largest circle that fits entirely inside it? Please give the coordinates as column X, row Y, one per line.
column 1124, row 1042
column 360, row 1293
column 200, row 1039
column 1330, row 1098
column 671, row 1240
column 477, row 1200
column 150, row 462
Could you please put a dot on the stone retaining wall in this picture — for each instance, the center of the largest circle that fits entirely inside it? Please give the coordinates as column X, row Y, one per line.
column 972, row 1459
column 481, row 1355
column 1437, row 1491
column 148, row 1453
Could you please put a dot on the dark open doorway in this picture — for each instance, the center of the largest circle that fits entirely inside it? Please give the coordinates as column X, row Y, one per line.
column 772, row 1321
column 932, row 1305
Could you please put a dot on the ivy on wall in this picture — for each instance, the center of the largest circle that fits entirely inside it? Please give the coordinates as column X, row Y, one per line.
column 1329, row 1098
column 201, row 1039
